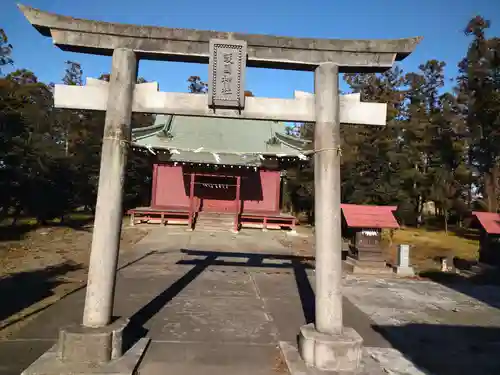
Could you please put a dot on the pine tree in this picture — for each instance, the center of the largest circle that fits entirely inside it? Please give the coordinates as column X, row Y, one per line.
column 5, row 50
column 479, row 93
column 371, row 158
column 419, row 132
column 196, row 85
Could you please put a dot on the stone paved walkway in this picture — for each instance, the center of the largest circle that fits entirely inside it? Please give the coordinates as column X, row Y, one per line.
column 217, row 304
column 443, row 330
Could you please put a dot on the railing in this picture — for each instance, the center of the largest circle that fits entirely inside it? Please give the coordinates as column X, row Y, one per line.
column 238, row 204
column 191, row 195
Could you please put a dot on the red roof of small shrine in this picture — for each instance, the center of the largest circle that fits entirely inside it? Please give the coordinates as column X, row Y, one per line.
column 489, row 220
column 360, row 216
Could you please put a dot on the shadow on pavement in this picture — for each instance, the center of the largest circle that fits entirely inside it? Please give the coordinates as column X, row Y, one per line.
column 299, row 265
column 447, row 350
column 200, row 261
column 254, row 259
column 306, row 292
column 23, row 289
column 22, row 347
column 135, row 330
column 484, row 286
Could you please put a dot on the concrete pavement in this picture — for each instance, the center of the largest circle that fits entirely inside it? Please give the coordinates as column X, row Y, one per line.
column 212, row 303
column 223, row 303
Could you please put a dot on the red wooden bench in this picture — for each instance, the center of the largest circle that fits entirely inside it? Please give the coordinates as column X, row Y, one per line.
column 267, row 220
column 160, row 215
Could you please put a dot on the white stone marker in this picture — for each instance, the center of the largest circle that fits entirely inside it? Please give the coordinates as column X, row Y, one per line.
column 403, row 267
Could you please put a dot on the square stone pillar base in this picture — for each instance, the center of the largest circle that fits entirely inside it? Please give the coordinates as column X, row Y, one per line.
column 330, row 352
column 404, row 271
column 83, row 350
column 99, row 345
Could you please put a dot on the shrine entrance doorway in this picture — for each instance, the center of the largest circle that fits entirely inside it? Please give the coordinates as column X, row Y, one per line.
column 216, row 193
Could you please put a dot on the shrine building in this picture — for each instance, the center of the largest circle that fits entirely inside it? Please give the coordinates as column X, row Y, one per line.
column 489, row 237
column 362, row 226
column 217, row 173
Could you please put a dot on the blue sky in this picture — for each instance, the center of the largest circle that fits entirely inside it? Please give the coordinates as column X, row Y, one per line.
column 440, row 22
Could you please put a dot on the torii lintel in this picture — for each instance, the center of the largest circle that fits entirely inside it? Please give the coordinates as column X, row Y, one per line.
column 189, row 45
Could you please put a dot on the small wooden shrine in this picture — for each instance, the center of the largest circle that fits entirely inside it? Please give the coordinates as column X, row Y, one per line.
column 489, row 240
column 217, row 173
column 362, row 225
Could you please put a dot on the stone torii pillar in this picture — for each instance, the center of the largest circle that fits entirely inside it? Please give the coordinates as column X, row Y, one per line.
column 108, row 214
column 327, row 344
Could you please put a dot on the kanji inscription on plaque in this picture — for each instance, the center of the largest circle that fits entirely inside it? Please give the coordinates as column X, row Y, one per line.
column 226, row 73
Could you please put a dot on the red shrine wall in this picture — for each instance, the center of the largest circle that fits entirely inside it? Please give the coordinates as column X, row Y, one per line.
column 169, row 187
column 268, row 187
column 259, row 190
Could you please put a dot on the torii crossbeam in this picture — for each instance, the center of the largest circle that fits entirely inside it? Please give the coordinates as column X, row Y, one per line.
column 188, row 45
column 147, row 99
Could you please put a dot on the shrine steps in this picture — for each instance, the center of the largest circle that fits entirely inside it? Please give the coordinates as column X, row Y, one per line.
column 214, row 222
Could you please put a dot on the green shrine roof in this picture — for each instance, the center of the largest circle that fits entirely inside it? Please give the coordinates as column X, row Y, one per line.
column 217, row 140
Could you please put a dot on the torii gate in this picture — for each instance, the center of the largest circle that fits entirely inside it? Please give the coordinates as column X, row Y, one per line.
column 326, row 344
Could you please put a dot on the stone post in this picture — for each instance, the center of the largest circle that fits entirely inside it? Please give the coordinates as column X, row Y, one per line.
column 108, row 217
column 403, row 267
column 327, row 345
column 327, row 215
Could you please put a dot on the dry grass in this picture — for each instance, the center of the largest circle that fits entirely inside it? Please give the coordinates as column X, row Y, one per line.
column 280, row 365
column 427, row 245
column 302, row 244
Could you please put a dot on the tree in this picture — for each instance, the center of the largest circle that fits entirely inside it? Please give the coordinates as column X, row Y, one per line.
column 73, row 76
column 12, row 132
column 105, row 77
column 300, row 179
column 419, row 131
column 138, row 183
column 450, row 173
column 5, row 50
column 30, row 155
column 479, row 94
column 439, row 146
column 371, row 156
column 196, row 85
column 86, row 141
